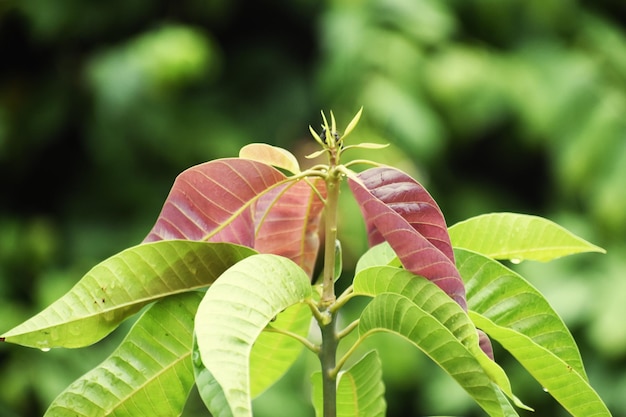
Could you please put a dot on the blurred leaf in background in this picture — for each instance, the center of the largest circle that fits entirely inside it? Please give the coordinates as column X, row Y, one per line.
column 495, row 106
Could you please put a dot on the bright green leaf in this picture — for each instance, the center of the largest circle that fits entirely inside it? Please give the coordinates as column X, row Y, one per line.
column 507, row 299
column 378, row 255
column 270, row 155
column 149, row 374
column 230, row 318
column 367, row 145
column 120, row 286
column 353, row 123
column 517, row 237
column 360, row 389
column 435, row 303
column 397, row 314
column 558, row 378
column 273, row 353
column 511, row 311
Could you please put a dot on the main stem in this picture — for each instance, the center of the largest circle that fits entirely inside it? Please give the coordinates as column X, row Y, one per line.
column 328, row 349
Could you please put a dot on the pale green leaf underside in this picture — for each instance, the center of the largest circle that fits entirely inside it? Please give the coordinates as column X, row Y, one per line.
column 230, row 318
column 507, row 299
column 378, row 255
column 120, row 286
column 436, row 303
column 397, row 314
column 517, row 237
column 563, row 382
column 149, row 374
column 360, row 389
column 273, row 353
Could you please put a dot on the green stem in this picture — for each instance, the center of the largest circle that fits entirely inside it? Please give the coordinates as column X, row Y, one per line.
column 328, row 348
column 328, row 283
column 328, row 355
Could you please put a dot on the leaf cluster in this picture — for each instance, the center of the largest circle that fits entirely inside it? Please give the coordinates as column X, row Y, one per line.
column 227, row 279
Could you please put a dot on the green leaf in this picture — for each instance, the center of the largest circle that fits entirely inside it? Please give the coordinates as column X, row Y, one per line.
column 230, row 318
column 511, row 311
column 353, row 123
column 437, row 305
column 397, row 314
column 517, row 237
column 360, row 389
column 367, row 145
column 120, row 286
column 273, row 353
column 559, row 379
column 270, row 155
column 149, row 374
column 508, row 300
column 378, row 255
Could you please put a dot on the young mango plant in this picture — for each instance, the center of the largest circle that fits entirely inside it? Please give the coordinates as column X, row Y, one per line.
column 226, row 276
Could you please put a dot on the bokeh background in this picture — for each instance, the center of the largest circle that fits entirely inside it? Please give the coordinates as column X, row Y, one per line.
column 515, row 105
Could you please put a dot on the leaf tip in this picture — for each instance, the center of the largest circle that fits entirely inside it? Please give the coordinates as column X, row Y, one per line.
column 353, row 122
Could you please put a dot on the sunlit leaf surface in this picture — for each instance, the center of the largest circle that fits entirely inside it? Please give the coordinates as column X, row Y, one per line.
column 517, row 237
column 557, row 377
column 435, row 303
column 270, row 155
column 230, row 318
column 245, row 202
column 515, row 314
column 213, row 201
column 288, row 219
column 507, row 299
column 120, row 286
column 149, row 374
column 397, row 314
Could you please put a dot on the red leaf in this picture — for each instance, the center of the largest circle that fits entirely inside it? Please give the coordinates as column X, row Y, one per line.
column 485, row 343
column 397, row 209
column 288, row 220
column 241, row 201
column 213, row 201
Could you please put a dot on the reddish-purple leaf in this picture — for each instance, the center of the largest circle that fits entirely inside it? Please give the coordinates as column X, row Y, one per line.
column 397, row 209
column 242, row 201
column 288, row 220
column 213, row 201
column 485, row 343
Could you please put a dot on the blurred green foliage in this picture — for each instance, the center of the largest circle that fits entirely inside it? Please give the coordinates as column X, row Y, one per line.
column 515, row 105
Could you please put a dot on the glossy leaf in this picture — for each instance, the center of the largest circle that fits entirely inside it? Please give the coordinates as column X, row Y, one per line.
column 508, row 300
column 230, row 318
column 515, row 314
column 120, row 286
column 437, row 305
column 360, row 389
column 397, row 209
column 270, row 155
column 213, row 201
column 288, row 219
column 397, row 314
column 245, row 202
column 149, row 374
column 517, row 237
column 558, row 378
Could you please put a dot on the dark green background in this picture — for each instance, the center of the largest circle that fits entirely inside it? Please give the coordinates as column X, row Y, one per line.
column 494, row 105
